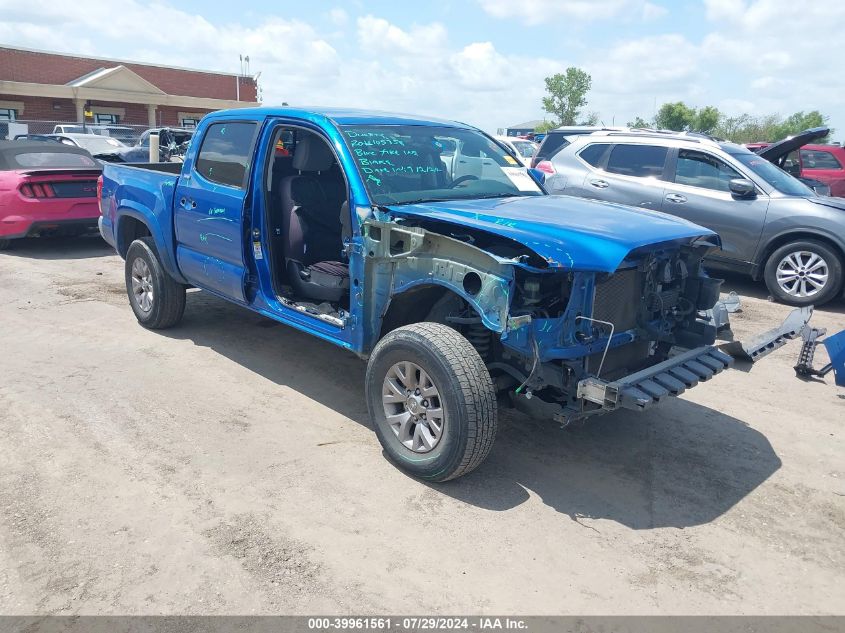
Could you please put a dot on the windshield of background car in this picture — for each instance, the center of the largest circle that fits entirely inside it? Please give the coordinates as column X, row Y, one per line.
column 526, row 148
column 403, row 164
column 100, row 144
column 47, row 159
column 774, row 175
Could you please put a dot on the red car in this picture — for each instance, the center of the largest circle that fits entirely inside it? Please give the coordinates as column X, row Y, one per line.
column 821, row 163
column 46, row 188
column 825, row 163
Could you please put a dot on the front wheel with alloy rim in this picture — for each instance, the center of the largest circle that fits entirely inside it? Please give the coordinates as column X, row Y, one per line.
column 431, row 400
column 804, row 272
column 157, row 299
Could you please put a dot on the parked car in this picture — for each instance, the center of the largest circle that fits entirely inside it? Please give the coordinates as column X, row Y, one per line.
column 46, row 188
column 122, row 133
column 35, row 137
column 551, row 142
column 812, row 164
column 523, row 148
column 173, row 143
column 457, row 279
column 94, row 143
column 772, row 226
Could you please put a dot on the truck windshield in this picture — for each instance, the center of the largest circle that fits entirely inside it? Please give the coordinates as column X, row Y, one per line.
column 403, row 164
column 775, row 176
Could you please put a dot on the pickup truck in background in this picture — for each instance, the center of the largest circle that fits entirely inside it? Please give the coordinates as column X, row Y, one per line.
column 424, row 247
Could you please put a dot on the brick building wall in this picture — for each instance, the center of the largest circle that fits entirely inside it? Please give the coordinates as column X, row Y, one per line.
column 41, row 109
column 52, row 68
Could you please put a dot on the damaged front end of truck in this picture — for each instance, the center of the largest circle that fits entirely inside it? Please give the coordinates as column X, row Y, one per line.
column 568, row 328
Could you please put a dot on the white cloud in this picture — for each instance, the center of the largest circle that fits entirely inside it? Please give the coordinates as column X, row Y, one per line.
column 651, row 11
column 724, row 9
column 535, row 12
column 338, row 17
column 379, row 35
column 758, row 56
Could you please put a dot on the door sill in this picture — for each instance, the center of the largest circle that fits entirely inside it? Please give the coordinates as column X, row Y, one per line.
column 338, row 318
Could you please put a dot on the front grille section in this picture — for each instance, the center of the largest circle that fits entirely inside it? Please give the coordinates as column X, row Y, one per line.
column 618, row 299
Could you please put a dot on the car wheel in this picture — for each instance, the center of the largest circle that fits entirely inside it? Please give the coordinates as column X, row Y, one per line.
column 5, row 244
column 804, row 272
column 431, row 400
column 157, row 300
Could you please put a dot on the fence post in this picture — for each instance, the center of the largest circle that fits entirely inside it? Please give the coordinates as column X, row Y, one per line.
column 154, row 158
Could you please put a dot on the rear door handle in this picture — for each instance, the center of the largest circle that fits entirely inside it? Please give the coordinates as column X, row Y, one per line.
column 188, row 204
column 599, row 184
column 676, row 197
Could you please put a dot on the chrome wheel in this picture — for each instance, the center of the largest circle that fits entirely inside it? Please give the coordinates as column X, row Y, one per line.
column 412, row 407
column 142, row 284
column 802, row 274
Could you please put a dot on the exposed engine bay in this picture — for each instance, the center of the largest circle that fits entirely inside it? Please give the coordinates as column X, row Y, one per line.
column 566, row 344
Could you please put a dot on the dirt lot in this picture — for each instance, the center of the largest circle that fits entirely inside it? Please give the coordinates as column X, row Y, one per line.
column 228, row 466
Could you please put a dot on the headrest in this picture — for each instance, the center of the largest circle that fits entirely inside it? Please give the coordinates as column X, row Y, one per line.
column 312, row 154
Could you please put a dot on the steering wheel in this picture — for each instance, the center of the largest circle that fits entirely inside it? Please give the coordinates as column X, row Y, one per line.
column 461, row 179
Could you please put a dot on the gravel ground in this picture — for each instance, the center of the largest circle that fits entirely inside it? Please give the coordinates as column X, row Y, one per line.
column 227, row 466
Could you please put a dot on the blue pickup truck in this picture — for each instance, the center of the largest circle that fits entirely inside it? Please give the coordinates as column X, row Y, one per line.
column 425, row 247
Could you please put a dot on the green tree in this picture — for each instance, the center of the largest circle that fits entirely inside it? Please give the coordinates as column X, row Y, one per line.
column 676, row 116
column 590, row 119
column 567, row 95
column 639, row 122
column 706, row 119
column 767, row 128
column 798, row 122
column 544, row 127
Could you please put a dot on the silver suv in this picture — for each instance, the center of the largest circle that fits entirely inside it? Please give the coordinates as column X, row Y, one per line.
column 772, row 226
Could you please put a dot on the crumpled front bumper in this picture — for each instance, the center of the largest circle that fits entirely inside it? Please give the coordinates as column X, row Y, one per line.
column 673, row 376
column 647, row 387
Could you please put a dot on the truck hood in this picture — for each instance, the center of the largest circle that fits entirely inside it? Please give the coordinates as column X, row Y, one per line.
column 567, row 232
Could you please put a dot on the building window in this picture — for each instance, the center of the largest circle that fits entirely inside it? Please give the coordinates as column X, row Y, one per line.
column 100, row 117
column 189, row 122
column 8, row 114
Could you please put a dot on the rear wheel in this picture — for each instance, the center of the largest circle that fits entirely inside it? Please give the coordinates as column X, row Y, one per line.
column 431, row 400
column 804, row 272
column 5, row 244
column 157, row 300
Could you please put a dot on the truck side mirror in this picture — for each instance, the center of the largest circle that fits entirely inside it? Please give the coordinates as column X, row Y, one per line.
column 742, row 188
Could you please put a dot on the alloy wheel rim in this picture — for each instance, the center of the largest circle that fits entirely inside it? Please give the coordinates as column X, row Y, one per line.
column 802, row 274
column 142, row 284
column 413, row 408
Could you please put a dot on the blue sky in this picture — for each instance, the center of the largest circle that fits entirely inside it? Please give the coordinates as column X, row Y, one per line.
column 479, row 61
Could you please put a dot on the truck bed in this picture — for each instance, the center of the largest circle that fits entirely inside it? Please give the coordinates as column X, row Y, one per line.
column 144, row 191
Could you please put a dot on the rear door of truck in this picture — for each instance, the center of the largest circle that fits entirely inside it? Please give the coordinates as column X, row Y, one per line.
column 209, row 207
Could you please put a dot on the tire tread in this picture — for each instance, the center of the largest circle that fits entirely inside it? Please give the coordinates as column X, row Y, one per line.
column 474, row 384
column 172, row 299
